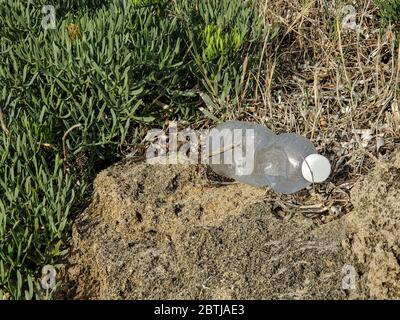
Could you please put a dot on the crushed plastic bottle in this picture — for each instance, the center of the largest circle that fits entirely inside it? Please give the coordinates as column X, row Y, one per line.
column 253, row 154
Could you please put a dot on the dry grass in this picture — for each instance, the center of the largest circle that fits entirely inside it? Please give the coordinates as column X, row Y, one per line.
column 337, row 86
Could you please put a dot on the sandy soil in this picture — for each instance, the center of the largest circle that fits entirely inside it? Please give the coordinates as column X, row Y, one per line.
column 175, row 232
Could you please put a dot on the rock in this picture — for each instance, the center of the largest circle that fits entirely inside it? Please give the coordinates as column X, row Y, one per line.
column 170, row 232
column 374, row 230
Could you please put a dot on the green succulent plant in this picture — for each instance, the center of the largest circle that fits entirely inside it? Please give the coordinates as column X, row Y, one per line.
column 144, row 3
column 218, row 42
column 390, row 10
column 67, row 107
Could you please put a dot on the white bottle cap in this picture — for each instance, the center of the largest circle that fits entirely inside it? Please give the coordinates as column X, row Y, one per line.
column 316, row 168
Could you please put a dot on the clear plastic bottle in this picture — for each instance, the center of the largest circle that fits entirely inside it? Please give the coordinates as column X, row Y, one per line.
column 286, row 162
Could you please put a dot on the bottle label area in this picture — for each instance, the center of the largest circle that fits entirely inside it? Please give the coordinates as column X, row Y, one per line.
column 234, row 147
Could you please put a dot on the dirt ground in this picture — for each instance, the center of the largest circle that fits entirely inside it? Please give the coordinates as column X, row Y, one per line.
column 177, row 232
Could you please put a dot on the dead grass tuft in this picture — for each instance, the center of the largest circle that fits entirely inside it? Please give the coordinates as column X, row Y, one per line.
column 338, row 86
